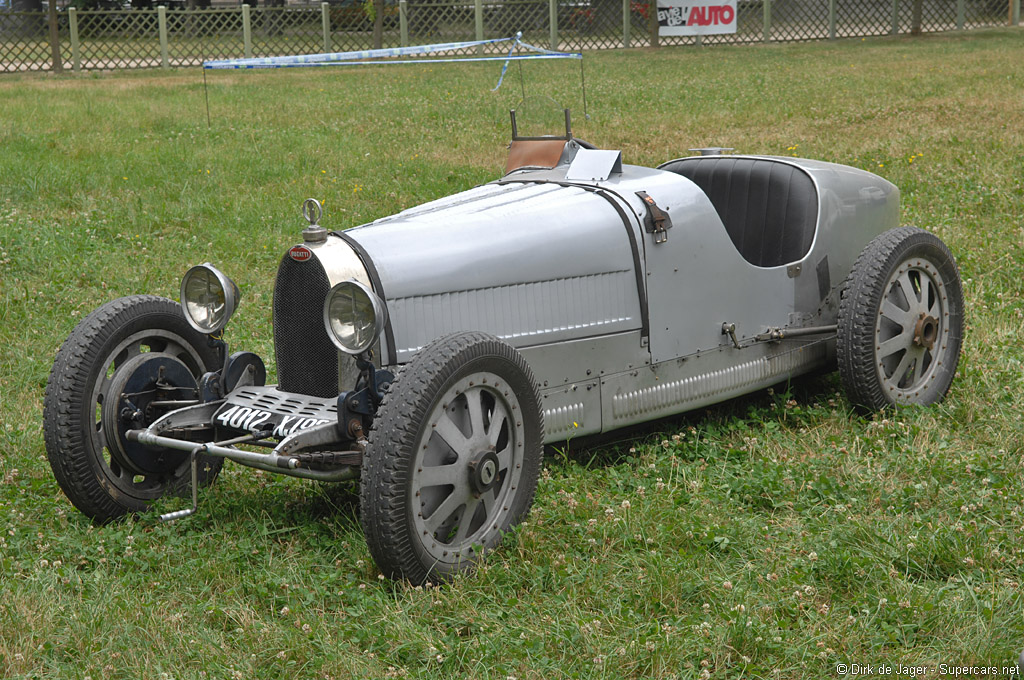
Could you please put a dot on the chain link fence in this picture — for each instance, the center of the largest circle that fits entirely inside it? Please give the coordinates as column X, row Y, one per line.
column 162, row 37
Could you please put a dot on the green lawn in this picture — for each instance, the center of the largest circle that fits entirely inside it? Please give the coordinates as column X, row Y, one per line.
column 771, row 537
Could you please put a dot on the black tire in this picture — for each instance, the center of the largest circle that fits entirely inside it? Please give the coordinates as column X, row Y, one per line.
column 474, row 383
column 90, row 470
column 900, row 321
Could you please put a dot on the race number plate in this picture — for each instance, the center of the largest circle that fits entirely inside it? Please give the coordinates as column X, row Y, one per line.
column 251, row 419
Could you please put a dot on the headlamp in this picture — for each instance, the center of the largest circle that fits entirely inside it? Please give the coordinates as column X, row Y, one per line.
column 354, row 316
column 208, row 297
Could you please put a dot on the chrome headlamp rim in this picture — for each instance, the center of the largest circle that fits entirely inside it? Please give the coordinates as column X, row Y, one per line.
column 229, row 288
column 380, row 316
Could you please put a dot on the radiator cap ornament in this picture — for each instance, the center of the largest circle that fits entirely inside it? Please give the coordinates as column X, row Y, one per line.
column 313, row 211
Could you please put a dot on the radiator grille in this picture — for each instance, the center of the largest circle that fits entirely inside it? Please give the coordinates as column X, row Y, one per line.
column 307, row 360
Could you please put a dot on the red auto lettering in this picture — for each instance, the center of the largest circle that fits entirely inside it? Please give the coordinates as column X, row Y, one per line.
column 728, row 14
column 696, row 17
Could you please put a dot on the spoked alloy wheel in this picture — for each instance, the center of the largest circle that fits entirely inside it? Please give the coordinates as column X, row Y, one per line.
column 910, row 323
column 117, row 371
column 468, row 464
column 453, row 459
column 900, row 321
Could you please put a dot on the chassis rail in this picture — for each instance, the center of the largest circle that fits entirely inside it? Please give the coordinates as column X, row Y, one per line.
column 271, row 462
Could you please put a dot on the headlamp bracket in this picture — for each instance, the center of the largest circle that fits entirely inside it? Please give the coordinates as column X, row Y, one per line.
column 361, row 402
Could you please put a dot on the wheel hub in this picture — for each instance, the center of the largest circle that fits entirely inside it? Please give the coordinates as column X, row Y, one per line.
column 483, row 471
column 133, row 402
column 926, row 331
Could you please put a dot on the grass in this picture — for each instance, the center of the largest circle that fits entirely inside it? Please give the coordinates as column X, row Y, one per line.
column 774, row 536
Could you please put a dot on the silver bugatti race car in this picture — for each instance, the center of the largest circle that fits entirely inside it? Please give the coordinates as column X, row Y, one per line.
column 433, row 353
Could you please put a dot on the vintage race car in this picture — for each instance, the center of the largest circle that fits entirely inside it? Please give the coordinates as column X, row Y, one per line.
column 433, row 353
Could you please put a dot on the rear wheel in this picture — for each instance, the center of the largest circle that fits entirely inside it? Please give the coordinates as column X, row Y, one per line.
column 116, row 372
column 453, row 459
column 900, row 321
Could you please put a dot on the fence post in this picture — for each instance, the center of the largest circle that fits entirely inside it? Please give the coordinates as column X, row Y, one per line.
column 766, row 34
column 76, row 60
column 653, row 34
column 895, row 16
column 161, row 21
column 325, row 19
column 553, row 18
column 959, row 15
column 478, row 22
column 403, row 22
column 1015, row 12
column 57, row 65
column 626, row 21
column 247, row 31
column 831, row 19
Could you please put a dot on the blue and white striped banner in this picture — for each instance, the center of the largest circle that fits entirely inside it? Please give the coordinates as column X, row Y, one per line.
column 387, row 56
column 405, row 61
column 304, row 59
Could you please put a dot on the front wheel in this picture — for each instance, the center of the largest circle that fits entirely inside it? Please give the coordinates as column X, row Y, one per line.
column 453, row 457
column 900, row 321
column 123, row 367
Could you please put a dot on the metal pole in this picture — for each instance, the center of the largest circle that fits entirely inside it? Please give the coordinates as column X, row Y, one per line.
column 553, row 18
column 895, row 16
column 325, row 19
column 831, row 19
column 161, row 20
column 247, row 31
column 76, row 61
column 478, row 20
column 1015, row 12
column 960, row 15
column 58, row 65
column 403, row 22
column 766, row 34
column 179, row 514
column 626, row 21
